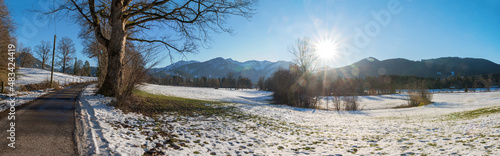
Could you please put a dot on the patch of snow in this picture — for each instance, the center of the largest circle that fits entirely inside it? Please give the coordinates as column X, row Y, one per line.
column 264, row 129
column 100, row 118
column 35, row 75
column 246, row 96
column 21, row 98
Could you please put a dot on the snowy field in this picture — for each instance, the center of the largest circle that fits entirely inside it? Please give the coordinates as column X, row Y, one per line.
column 35, row 75
column 246, row 96
column 20, row 98
column 265, row 129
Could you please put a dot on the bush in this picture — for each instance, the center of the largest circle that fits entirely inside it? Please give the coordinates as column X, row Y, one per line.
column 39, row 86
column 350, row 103
column 420, row 98
column 337, row 103
column 291, row 89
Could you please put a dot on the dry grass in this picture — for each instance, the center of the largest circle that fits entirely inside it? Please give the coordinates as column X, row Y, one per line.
column 421, row 98
column 152, row 104
column 475, row 113
column 39, row 86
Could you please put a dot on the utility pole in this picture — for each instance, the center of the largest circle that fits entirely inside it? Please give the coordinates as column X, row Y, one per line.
column 53, row 48
column 52, row 68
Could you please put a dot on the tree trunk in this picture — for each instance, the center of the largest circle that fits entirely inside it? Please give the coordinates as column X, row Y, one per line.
column 103, row 66
column 112, row 84
column 64, row 66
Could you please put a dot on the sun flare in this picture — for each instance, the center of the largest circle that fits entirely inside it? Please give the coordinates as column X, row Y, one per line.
column 326, row 49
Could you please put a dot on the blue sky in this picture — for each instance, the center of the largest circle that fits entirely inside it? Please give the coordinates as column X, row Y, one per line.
column 416, row 29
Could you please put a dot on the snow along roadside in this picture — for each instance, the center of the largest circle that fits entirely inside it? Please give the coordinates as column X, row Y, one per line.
column 83, row 135
column 87, row 129
column 94, row 133
column 22, row 98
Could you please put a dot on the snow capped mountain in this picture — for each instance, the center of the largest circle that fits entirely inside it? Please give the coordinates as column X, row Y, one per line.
column 438, row 67
column 220, row 67
column 178, row 64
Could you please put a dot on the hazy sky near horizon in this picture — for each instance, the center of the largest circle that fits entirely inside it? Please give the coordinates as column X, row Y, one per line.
column 411, row 29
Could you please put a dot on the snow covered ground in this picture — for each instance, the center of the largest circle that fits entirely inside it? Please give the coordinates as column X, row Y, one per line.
column 35, row 75
column 246, row 96
column 20, row 98
column 264, row 129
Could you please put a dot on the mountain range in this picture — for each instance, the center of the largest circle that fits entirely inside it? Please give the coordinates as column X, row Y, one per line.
column 439, row 67
column 220, row 67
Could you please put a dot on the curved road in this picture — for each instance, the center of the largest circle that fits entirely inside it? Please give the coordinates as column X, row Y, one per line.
column 44, row 126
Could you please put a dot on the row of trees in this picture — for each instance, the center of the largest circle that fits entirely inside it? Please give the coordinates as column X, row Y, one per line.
column 224, row 82
column 81, row 69
column 111, row 29
column 116, row 32
column 300, row 85
column 6, row 30
column 65, row 53
column 288, row 87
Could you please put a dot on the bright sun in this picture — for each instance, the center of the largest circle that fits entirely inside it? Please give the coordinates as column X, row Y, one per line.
column 326, row 49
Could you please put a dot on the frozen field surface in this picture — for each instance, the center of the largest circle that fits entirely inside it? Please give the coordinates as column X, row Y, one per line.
column 20, row 98
column 35, row 75
column 446, row 127
column 246, row 96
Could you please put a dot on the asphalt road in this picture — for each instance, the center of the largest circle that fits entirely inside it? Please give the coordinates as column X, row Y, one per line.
column 44, row 126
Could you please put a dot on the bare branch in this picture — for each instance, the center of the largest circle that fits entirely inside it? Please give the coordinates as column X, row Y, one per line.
column 97, row 25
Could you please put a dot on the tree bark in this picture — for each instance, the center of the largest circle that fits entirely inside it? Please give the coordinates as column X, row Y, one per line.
column 112, row 84
column 43, row 63
column 64, row 66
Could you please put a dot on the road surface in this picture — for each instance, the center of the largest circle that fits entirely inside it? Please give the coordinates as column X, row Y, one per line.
column 43, row 127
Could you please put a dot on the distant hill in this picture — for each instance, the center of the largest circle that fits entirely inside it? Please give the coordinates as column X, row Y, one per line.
column 219, row 67
column 36, row 63
column 439, row 67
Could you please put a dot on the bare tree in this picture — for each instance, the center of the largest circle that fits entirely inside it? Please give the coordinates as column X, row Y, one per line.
column 304, row 65
column 25, row 57
column 185, row 23
column 136, row 65
column 6, row 30
column 350, row 103
column 94, row 50
column 304, row 56
column 337, row 103
column 42, row 51
column 66, row 51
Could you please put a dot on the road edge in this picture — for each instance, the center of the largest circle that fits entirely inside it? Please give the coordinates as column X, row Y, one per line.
column 82, row 130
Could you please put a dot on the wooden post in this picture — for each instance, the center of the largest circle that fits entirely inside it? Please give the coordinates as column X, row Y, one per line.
column 2, row 86
column 52, row 68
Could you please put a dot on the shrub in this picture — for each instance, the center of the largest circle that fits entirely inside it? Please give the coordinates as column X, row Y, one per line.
column 337, row 103
column 350, row 103
column 291, row 89
column 39, row 86
column 420, row 98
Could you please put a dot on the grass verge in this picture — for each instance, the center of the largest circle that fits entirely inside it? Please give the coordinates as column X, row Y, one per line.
column 39, row 86
column 474, row 113
column 153, row 104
